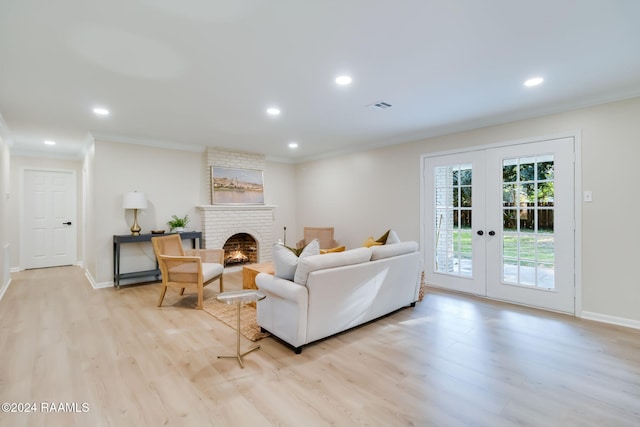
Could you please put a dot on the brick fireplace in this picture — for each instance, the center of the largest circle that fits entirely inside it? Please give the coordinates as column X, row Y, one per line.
column 222, row 222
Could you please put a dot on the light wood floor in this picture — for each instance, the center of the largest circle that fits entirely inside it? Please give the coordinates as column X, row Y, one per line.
column 451, row 361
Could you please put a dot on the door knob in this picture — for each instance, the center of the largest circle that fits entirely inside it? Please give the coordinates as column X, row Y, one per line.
column 66, row 223
column 480, row 232
column 492, row 233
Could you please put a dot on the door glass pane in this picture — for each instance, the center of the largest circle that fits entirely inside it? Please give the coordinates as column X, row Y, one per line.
column 528, row 250
column 545, row 168
column 509, row 170
column 465, row 197
column 509, row 194
column 509, row 220
column 545, row 194
column 453, row 191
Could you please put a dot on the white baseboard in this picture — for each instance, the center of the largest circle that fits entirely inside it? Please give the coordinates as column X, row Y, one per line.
column 93, row 283
column 4, row 289
column 614, row 320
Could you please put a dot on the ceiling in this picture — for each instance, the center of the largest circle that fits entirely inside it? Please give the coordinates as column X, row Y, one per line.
column 195, row 73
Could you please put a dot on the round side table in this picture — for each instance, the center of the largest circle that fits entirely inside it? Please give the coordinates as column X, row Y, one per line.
column 238, row 298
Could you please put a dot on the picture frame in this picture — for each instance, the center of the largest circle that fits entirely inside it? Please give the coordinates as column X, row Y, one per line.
column 235, row 186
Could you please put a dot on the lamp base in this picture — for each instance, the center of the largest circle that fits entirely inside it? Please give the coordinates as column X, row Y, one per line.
column 135, row 228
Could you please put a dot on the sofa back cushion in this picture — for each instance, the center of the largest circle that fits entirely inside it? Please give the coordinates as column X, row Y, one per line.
column 330, row 260
column 393, row 249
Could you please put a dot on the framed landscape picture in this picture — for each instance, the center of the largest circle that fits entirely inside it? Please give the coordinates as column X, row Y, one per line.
column 236, row 186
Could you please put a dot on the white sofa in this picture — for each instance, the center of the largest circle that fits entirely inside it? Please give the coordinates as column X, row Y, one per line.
column 333, row 292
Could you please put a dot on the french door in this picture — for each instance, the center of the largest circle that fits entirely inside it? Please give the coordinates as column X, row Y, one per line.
column 499, row 222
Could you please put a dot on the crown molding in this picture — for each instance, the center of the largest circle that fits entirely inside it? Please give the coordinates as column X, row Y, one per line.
column 156, row 143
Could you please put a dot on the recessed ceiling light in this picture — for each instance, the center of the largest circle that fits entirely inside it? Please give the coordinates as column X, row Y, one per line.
column 101, row 111
column 343, row 80
column 293, row 145
column 535, row 81
column 49, row 142
column 273, row 111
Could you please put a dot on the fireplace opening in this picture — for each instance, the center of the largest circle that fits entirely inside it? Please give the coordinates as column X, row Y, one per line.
column 240, row 249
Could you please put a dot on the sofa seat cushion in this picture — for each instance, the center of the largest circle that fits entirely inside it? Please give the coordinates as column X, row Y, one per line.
column 286, row 259
column 393, row 249
column 330, row 260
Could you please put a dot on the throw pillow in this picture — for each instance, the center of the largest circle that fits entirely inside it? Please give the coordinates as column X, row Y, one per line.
column 393, row 238
column 377, row 242
column 285, row 259
column 332, row 250
column 370, row 242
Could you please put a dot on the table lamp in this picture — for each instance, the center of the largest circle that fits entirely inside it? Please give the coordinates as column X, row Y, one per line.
column 134, row 200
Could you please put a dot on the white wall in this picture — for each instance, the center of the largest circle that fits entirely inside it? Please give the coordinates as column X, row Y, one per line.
column 366, row 193
column 5, row 247
column 89, row 253
column 171, row 180
column 280, row 190
column 18, row 164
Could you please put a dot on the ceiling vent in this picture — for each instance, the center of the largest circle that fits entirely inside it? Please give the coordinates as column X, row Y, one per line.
column 380, row 105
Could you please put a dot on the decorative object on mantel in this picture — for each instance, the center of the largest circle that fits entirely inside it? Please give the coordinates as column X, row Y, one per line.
column 236, row 186
column 134, row 200
column 178, row 224
column 157, row 231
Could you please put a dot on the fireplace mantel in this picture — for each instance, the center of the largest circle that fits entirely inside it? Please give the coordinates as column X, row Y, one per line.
column 235, row 207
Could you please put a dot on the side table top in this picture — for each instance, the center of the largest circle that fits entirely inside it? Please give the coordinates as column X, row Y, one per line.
column 242, row 296
column 265, row 267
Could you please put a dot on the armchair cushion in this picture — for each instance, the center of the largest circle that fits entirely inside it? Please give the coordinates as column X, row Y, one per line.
column 211, row 270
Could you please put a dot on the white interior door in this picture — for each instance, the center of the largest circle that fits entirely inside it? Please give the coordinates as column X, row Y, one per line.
column 499, row 222
column 49, row 218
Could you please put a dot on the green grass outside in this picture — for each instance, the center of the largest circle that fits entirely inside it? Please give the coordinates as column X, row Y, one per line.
column 545, row 245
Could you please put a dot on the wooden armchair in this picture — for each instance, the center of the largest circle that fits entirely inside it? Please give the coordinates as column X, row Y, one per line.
column 323, row 234
column 194, row 268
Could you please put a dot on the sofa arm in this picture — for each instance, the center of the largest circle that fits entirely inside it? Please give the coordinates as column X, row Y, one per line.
column 284, row 311
column 282, row 288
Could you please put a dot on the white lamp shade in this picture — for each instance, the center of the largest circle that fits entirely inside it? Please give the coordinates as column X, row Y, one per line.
column 134, row 200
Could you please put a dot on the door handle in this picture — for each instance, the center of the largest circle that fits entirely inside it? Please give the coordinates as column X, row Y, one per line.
column 492, row 233
column 66, row 223
column 480, row 232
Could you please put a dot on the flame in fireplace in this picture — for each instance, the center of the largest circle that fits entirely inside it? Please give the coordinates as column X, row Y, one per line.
column 236, row 257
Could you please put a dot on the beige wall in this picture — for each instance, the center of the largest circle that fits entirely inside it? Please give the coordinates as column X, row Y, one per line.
column 18, row 165
column 366, row 193
column 173, row 181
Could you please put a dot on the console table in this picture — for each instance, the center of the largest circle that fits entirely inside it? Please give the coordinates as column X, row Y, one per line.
column 118, row 240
